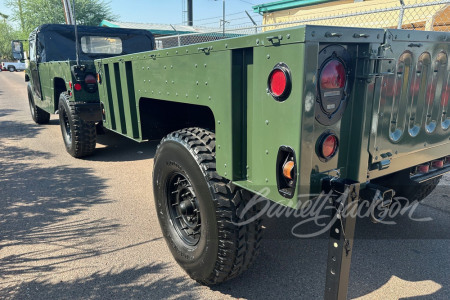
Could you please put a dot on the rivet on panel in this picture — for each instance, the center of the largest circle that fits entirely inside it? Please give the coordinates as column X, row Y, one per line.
column 196, row 82
column 268, row 56
column 205, row 65
column 226, row 45
column 267, row 151
column 288, row 36
column 218, row 122
column 197, row 96
column 206, row 83
column 196, row 65
column 267, row 180
column 267, row 122
column 209, row 98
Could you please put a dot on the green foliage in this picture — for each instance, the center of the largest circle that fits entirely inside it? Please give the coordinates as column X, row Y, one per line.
column 7, row 34
column 31, row 13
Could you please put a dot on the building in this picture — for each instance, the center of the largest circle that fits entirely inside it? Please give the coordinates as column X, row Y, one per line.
column 415, row 14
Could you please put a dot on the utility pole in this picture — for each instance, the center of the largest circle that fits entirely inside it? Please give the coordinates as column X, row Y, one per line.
column 223, row 21
column 190, row 21
column 68, row 15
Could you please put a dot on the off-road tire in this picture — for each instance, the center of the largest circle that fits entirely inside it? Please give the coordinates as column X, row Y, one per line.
column 11, row 69
column 79, row 136
column 406, row 188
column 39, row 115
column 225, row 249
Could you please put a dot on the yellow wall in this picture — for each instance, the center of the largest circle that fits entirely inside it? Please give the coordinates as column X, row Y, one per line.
column 421, row 17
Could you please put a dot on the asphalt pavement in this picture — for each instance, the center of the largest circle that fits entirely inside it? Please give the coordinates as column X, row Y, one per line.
column 87, row 229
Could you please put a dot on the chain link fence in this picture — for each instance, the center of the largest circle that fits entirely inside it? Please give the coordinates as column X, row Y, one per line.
column 412, row 15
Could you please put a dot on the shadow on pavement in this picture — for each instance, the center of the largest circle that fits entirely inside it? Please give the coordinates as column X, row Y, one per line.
column 5, row 112
column 385, row 257
column 112, row 284
column 36, row 203
column 112, row 146
column 17, row 130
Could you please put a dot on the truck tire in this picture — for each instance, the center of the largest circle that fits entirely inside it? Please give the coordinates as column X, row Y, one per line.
column 39, row 115
column 199, row 211
column 79, row 136
column 11, row 68
column 406, row 188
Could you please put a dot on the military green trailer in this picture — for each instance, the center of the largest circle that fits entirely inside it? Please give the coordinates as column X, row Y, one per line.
column 285, row 115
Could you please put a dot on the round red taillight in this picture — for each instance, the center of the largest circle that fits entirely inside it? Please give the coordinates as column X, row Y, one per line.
column 90, row 79
column 327, row 145
column 279, row 82
column 77, row 87
column 332, row 75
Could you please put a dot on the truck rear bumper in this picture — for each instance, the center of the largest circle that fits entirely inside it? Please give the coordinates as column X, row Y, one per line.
column 89, row 112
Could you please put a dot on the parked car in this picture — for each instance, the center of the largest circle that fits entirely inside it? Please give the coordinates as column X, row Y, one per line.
column 13, row 66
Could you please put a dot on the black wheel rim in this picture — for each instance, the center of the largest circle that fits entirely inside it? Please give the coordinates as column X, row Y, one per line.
column 183, row 209
column 66, row 127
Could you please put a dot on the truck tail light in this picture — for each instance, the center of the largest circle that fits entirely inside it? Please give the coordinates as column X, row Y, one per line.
column 327, row 146
column 279, row 82
column 332, row 76
column 77, row 87
column 90, row 79
column 335, row 78
column 91, row 83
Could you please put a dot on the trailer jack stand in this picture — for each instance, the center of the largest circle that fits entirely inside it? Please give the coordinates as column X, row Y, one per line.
column 345, row 200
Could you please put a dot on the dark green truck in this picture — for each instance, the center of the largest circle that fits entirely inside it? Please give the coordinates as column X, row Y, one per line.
column 350, row 112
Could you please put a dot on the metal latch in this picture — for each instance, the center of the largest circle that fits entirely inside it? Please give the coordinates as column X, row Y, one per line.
column 381, row 165
column 274, row 39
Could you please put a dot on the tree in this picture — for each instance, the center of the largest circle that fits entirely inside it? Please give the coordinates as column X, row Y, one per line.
column 32, row 13
column 7, row 34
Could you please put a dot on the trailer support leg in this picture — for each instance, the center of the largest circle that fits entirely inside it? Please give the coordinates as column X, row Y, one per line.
column 343, row 218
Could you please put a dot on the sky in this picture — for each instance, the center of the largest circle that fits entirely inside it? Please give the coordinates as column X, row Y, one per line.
column 206, row 12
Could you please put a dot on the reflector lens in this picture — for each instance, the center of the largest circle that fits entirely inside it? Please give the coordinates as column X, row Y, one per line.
column 89, row 79
column 287, row 169
column 278, row 82
column 329, row 146
column 77, row 87
column 437, row 164
column 423, row 168
column 332, row 75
